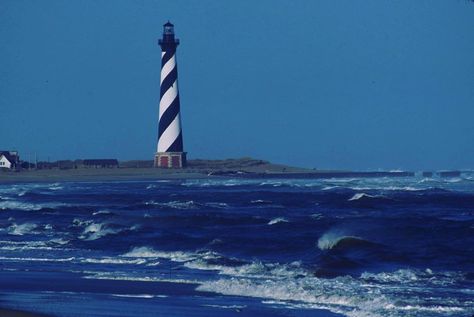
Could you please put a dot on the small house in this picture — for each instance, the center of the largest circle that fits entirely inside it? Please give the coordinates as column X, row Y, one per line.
column 9, row 159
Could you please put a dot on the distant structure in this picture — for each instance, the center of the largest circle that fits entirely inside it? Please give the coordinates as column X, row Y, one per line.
column 9, row 159
column 100, row 163
column 169, row 152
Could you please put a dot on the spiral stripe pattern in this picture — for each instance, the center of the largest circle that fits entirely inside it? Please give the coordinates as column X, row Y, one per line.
column 169, row 127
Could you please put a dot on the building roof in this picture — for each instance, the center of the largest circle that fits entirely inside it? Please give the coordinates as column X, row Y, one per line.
column 11, row 156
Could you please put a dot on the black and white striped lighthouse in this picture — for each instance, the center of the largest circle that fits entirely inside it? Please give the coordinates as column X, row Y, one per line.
column 170, row 138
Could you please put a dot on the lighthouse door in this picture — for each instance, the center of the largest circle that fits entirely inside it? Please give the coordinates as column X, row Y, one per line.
column 164, row 161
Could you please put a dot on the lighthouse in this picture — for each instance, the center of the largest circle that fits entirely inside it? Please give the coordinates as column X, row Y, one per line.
column 169, row 153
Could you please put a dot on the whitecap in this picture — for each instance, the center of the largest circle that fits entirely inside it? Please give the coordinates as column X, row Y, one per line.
column 19, row 230
column 174, row 204
column 277, row 220
column 109, row 260
column 330, row 187
column 80, row 223
column 138, row 295
column 260, row 202
column 96, row 231
column 102, row 212
column 216, row 205
column 344, row 294
column 317, row 216
column 226, row 306
column 55, row 187
column 453, row 180
column 37, row 259
column 17, row 205
column 147, row 252
column 360, row 196
column 59, row 241
column 119, row 276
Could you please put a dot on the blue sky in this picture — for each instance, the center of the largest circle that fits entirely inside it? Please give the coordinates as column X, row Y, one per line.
column 328, row 84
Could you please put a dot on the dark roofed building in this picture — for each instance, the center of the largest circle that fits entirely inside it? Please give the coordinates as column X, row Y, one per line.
column 101, row 163
column 9, row 159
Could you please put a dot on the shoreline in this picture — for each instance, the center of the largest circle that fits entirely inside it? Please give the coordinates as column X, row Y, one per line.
column 242, row 168
column 150, row 174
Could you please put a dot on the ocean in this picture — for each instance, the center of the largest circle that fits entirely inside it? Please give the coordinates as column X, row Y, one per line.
column 239, row 247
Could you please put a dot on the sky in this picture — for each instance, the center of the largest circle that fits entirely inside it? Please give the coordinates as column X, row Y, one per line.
column 333, row 84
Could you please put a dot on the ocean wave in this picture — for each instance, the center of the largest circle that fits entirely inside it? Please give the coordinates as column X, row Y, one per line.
column 29, row 259
column 344, row 294
column 336, row 239
column 236, row 268
column 122, row 276
column 317, row 216
column 277, row 220
column 19, row 230
column 102, row 212
column 25, row 248
column 56, row 186
column 453, row 180
column 16, row 205
column 308, row 290
column 421, row 278
column 293, row 285
column 27, row 245
column 216, row 205
column 273, row 183
column 59, row 241
column 261, row 202
column 20, row 190
column 146, row 296
column 189, row 204
column 109, row 260
column 175, row 204
column 390, row 188
column 362, row 196
column 237, row 307
column 95, row 231
column 216, row 182
column 147, row 252
column 330, row 187
column 32, row 245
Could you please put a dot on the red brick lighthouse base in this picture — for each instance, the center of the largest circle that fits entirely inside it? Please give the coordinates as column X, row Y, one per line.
column 170, row 159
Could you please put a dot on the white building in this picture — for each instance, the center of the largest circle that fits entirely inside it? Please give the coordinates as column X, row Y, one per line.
column 9, row 159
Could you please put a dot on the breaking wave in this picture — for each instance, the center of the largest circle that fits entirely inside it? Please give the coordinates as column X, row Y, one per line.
column 19, row 230
column 277, row 220
column 147, row 252
column 362, row 196
column 95, row 231
column 335, row 239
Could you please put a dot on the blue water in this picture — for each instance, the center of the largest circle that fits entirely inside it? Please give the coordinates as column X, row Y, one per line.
column 355, row 247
